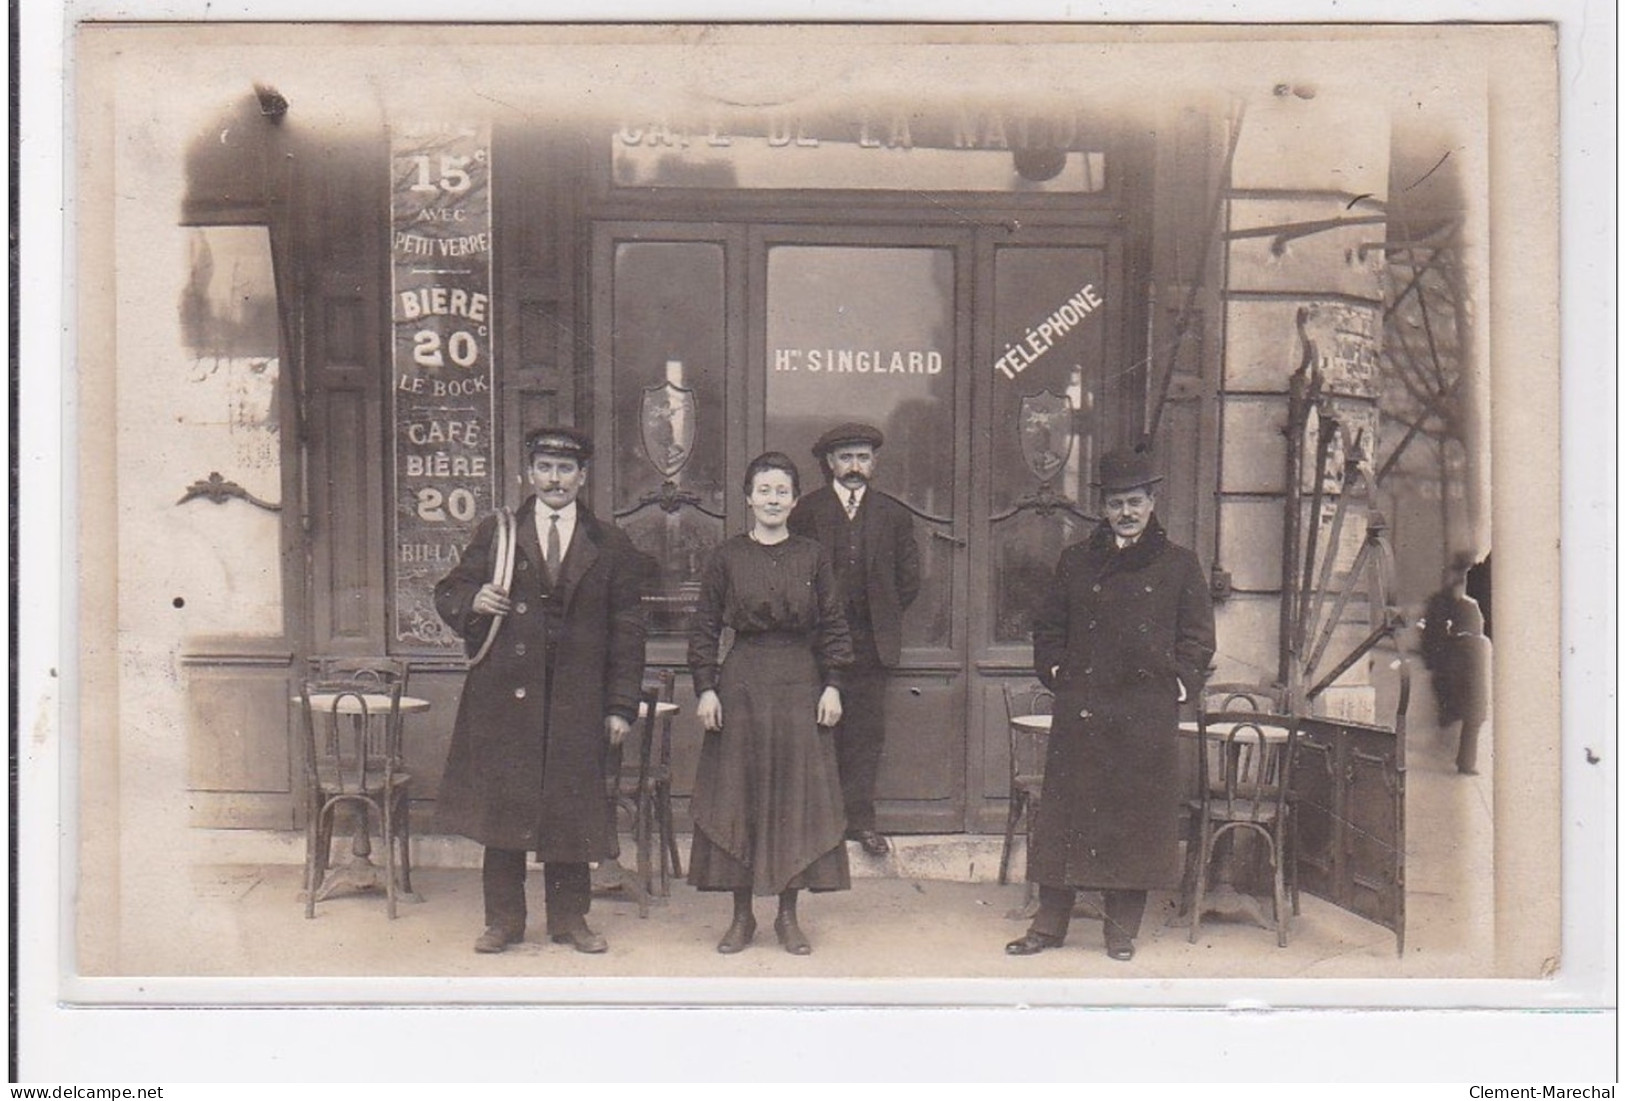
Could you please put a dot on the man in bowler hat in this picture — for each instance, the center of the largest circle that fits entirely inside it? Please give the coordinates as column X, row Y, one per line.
column 560, row 682
column 1122, row 636
column 870, row 538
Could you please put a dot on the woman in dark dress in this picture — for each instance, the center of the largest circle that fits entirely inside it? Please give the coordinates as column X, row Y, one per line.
column 768, row 817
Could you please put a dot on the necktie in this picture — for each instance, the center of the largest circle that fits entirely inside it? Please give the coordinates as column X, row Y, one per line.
column 852, row 504
column 553, row 554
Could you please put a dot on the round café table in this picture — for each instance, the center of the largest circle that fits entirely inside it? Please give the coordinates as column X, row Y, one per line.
column 360, row 873
column 1039, row 726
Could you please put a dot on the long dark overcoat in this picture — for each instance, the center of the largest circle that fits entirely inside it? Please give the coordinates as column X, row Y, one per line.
column 1114, row 637
column 526, row 765
column 892, row 557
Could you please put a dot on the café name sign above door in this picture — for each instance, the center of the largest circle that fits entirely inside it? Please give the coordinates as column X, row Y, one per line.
column 871, row 149
column 442, row 404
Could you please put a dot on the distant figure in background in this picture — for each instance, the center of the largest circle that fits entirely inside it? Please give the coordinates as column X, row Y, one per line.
column 1478, row 587
column 1457, row 654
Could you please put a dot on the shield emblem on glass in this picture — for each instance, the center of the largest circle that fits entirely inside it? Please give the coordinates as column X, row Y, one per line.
column 667, row 418
column 1046, row 432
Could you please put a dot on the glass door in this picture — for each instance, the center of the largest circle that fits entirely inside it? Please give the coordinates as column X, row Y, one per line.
column 865, row 325
column 1054, row 387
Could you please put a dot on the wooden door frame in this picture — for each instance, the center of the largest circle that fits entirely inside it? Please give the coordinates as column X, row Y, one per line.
column 951, row 660
column 992, row 662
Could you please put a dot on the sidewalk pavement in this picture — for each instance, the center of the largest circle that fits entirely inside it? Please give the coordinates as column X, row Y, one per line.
column 929, row 911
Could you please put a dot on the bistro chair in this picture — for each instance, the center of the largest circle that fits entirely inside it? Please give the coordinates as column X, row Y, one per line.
column 1238, row 696
column 642, row 790
column 1028, row 711
column 352, row 719
column 1244, row 781
column 657, row 780
column 1262, row 699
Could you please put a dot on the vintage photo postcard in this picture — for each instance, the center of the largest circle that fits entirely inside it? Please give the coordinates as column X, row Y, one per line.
column 814, row 514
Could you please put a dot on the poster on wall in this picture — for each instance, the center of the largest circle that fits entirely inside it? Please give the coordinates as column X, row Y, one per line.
column 442, row 404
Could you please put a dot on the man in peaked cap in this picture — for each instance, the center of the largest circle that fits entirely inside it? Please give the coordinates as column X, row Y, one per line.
column 870, row 537
column 1122, row 635
column 560, row 681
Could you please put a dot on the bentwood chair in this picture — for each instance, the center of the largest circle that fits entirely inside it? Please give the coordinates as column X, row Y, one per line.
column 352, row 720
column 1244, row 768
column 1028, row 711
column 642, row 791
column 1238, row 696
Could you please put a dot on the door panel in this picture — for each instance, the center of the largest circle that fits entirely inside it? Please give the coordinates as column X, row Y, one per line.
column 867, row 334
column 236, row 532
column 669, row 382
column 871, row 326
column 1314, row 781
column 1051, row 343
column 923, row 714
column 239, row 769
column 1348, row 786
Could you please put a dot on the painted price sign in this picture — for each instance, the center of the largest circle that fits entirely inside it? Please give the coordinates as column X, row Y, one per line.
column 442, row 396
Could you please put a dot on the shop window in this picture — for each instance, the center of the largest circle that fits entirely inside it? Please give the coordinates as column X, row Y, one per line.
column 1049, row 349
column 867, row 334
column 669, row 378
column 224, row 447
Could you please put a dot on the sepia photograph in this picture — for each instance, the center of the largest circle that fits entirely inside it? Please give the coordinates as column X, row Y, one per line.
column 813, row 514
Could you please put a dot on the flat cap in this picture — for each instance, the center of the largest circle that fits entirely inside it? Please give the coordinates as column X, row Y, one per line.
column 845, row 434
column 1127, row 468
column 560, row 440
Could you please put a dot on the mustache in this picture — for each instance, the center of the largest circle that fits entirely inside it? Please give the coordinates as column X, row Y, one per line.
column 854, row 476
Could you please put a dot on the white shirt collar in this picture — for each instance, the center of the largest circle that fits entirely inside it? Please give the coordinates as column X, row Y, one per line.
column 567, row 523
column 567, row 514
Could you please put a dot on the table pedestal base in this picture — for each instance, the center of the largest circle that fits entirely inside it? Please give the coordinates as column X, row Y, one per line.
column 360, row 874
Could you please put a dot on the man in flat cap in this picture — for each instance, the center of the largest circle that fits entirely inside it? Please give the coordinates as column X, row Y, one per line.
column 870, row 538
column 559, row 682
column 1122, row 635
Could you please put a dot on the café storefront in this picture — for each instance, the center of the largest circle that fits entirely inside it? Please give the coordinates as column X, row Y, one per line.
column 1006, row 291
column 979, row 282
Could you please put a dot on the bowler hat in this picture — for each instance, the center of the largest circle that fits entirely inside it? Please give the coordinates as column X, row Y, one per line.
column 866, row 434
column 559, row 440
column 1126, row 468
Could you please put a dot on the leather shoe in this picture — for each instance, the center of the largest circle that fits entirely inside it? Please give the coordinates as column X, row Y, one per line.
column 790, row 935
column 578, row 936
column 738, row 936
column 1032, row 943
column 1120, row 948
column 873, row 843
column 496, row 939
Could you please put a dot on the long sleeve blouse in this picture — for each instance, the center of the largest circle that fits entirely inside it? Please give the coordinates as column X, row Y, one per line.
column 783, row 588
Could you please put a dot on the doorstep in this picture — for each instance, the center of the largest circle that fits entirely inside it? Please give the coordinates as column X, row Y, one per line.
column 951, row 857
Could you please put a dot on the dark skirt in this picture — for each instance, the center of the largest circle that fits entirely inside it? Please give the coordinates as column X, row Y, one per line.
column 710, row 868
column 767, row 806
